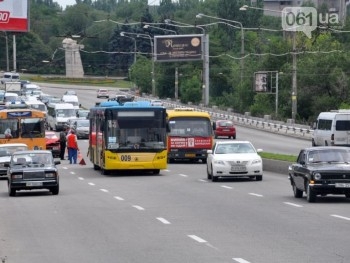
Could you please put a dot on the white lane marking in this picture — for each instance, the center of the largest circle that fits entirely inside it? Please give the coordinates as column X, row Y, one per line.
column 292, row 204
column 183, row 175
column 164, row 221
column 72, row 173
column 198, row 239
column 138, row 207
column 119, row 198
column 227, row 187
column 202, row 180
column 65, row 167
column 91, row 184
column 341, row 217
column 104, row 190
column 81, row 178
column 240, row 260
column 254, row 194
column 166, row 170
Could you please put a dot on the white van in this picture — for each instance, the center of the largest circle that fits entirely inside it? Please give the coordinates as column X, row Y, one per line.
column 332, row 128
column 73, row 99
column 9, row 77
column 36, row 104
column 58, row 115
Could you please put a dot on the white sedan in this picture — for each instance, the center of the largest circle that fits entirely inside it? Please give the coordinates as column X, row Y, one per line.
column 234, row 159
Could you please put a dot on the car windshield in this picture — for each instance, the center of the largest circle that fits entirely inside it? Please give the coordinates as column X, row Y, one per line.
column 32, row 159
column 84, row 123
column 329, row 155
column 234, row 148
column 226, row 124
column 8, row 150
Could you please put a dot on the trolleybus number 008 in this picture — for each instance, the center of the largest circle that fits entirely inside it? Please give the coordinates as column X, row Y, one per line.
column 125, row 158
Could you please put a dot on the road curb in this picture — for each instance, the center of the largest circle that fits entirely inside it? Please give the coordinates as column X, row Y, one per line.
column 276, row 166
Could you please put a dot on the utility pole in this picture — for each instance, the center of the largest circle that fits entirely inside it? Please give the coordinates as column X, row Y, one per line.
column 176, row 84
column 294, row 79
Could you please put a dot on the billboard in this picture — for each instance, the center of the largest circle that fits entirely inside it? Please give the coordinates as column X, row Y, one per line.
column 172, row 48
column 261, row 82
column 14, row 15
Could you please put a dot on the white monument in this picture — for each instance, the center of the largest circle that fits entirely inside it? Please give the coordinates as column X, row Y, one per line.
column 74, row 67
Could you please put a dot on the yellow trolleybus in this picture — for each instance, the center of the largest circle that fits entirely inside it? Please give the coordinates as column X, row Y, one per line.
column 129, row 136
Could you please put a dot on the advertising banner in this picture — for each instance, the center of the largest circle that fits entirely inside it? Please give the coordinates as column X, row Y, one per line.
column 14, row 15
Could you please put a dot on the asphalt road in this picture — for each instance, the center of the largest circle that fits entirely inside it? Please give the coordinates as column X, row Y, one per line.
column 177, row 216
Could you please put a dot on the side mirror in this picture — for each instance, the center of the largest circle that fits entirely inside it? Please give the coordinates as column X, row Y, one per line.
column 214, row 126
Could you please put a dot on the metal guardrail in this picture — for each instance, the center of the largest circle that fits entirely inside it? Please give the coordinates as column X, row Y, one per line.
column 294, row 130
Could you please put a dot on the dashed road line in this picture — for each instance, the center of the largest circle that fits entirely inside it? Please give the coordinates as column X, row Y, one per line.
column 119, row 198
column 81, row 178
column 202, row 180
column 104, row 190
column 196, row 238
column 293, row 204
column 163, row 220
column 138, row 207
column 183, row 175
column 258, row 195
column 227, row 187
column 92, row 184
column 341, row 217
column 240, row 260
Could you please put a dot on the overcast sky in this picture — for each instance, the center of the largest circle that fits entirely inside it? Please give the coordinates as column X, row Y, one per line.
column 64, row 3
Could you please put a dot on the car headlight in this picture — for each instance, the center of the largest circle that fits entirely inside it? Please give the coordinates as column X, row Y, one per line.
column 256, row 161
column 317, row 176
column 219, row 162
column 16, row 176
column 50, row 175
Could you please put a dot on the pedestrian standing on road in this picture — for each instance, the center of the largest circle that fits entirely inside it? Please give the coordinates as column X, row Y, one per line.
column 72, row 145
column 63, row 142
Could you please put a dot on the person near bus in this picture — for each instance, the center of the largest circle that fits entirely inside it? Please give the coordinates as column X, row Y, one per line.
column 72, row 145
column 63, row 142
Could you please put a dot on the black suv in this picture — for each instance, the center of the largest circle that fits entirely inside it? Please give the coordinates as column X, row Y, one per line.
column 321, row 171
column 30, row 170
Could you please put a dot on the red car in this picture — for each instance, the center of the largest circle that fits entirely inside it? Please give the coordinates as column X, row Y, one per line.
column 53, row 143
column 224, row 128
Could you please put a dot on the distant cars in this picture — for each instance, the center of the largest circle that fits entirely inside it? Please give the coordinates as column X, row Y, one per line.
column 321, row 171
column 82, row 128
column 224, row 128
column 5, row 155
column 52, row 143
column 82, row 114
column 70, row 92
column 102, row 93
column 234, row 159
column 29, row 170
column 157, row 103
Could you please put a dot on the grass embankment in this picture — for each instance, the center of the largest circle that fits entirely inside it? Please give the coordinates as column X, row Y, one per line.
column 127, row 84
column 103, row 82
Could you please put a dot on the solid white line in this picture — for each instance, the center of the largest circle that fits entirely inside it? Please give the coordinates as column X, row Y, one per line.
column 104, row 190
column 91, row 184
column 227, row 187
column 164, row 221
column 81, row 178
column 138, row 207
column 341, row 217
column 119, row 198
column 240, row 260
column 256, row 194
column 292, row 204
column 198, row 239
column 183, row 175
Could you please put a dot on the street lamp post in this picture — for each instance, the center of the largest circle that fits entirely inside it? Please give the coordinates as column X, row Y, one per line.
column 123, row 35
column 160, row 28
column 294, row 63
column 152, row 52
column 205, row 74
column 200, row 15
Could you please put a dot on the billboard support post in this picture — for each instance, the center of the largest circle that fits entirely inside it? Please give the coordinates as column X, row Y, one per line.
column 206, row 68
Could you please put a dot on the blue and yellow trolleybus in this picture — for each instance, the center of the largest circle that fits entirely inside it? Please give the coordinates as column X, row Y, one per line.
column 129, row 136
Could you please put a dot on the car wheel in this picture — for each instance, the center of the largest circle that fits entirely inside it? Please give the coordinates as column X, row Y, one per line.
column 297, row 193
column 96, row 167
column 208, row 173
column 156, row 171
column 310, row 195
column 313, row 143
column 347, row 195
column 104, row 172
column 213, row 178
column 258, row 178
column 204, row 160
column 55, row 190
column 170, row 160
column 12, row 192
column 234, row 137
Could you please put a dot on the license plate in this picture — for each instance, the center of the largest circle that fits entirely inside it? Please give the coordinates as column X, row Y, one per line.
column 34, row 184
column 342, row 185
column 190, row 155
column 55, row 148
column 238, row 168
column 226, row 130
